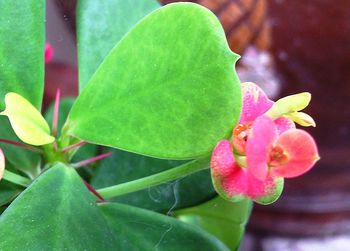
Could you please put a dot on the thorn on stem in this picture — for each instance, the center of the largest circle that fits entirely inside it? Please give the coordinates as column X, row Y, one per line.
column 92, row 190
column 24, row 146
column 68, row 148
column 55, row 112
column 91, row 160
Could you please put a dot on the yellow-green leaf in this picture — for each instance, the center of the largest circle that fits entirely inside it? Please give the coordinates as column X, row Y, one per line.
column 27, row 122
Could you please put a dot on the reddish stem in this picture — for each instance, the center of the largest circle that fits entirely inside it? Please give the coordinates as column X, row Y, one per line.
column 91, row 160
column 56, row 112
column 92, row 190
column 15, row 143
column 68, row 148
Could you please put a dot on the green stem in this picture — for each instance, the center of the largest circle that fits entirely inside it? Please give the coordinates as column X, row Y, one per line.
column 16, row 179
column 156, row 179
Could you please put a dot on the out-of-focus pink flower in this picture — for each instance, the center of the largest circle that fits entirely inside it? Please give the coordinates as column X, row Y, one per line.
column 48, row 53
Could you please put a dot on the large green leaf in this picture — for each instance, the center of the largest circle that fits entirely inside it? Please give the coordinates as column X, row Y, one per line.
column 101, row 24
column 55, row 213
column 123, row 167
column 167, row 90
column 142, row 230
column 22, row 37
column 223, row 219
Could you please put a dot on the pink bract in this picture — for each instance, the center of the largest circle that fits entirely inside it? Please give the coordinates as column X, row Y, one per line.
column 233, row 179
column 301, row 150
column 255, row 102
column 290, row 154
column 263, row 134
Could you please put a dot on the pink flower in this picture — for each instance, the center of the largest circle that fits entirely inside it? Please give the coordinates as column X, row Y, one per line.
column 234, row 182
column 287, row 155
column 264, row 150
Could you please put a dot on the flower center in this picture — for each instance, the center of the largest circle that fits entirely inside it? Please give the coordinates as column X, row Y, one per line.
column 278, row 156
column 240, row 135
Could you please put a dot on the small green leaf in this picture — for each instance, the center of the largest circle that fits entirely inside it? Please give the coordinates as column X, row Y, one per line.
column 55, row 213
column 101, row 24
column 142, row 230
column 223, row 219
column 22, row 38
column 168, row 89
column 27, row 122
column 124, row 166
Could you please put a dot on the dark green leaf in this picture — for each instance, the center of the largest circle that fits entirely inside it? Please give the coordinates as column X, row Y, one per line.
column 142, row 230
column 55, row 213
column 167, row 90
column 123, row 167
column 8, row 191
column 101, row 24
column 22, row 35
column 223, row 219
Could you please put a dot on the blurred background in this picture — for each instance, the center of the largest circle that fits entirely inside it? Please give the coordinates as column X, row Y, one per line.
column 286, row 47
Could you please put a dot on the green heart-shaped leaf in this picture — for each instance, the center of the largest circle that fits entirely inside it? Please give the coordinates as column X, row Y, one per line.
column 26, row 121
column 223, row 219
column 167, row 90
column 22, row 36
column 101, row 24
column 124, row 166
column 55, row 213
column 142, row 230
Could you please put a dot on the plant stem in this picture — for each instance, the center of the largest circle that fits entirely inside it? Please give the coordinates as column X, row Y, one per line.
column 156, row 179
column 16, row 179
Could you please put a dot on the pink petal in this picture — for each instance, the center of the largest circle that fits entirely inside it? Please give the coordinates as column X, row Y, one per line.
column 284, row 124
column 242, row 182
column 48, row 53
column 255, row 102
column 301, row 150
column 259, row 143
column 222, row 159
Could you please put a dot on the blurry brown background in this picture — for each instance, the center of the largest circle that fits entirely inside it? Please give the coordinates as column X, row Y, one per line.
column 308, row 43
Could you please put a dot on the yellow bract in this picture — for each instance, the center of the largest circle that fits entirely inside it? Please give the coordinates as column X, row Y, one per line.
column 301, row 118
column 289, row 104
column 27, row 122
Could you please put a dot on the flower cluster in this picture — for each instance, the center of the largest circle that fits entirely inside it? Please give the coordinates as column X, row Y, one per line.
column 265, row 147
